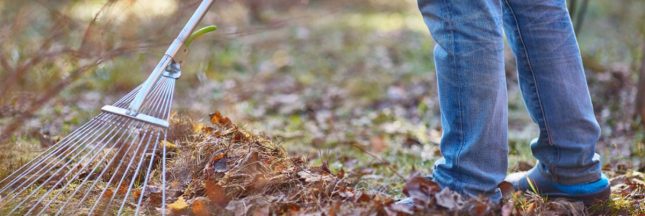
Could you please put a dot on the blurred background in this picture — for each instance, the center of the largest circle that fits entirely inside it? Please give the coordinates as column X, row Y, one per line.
column 349, row 83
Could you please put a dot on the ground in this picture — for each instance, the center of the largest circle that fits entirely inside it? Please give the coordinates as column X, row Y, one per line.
column 348, row 86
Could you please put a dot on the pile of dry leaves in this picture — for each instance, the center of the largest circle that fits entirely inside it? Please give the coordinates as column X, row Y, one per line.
column 221, row 169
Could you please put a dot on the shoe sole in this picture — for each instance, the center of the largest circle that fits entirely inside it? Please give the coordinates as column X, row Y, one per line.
column 587, row 199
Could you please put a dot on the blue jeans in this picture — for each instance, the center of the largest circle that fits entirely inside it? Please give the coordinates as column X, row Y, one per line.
column 469, row 60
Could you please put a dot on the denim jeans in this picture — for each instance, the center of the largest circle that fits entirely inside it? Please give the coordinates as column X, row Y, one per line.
column 469, row 61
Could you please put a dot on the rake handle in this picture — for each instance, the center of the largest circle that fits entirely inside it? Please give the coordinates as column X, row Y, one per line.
column 170, row 53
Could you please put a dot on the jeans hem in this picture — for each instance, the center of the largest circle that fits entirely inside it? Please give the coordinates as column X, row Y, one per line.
column 571, row 180
column 495, row 196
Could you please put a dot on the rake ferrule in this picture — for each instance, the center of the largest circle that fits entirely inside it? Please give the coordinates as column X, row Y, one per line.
column 173, row 71
column 170, row 53
column 138, row 116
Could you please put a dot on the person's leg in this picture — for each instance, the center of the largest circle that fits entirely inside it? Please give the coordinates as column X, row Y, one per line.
column 555, row 90
column 472, row 93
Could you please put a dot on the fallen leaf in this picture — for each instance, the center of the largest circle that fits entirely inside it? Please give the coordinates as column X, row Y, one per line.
column 477, row 207
column 363, row 198
column 507, row 189
column 169, row 146
column 178, row 206
column 314, row 177
column 216, row 193
column 340, row 174
column 421, row 189
column 136, row 193
column 449, row 199
column 240, row 136
column 109, row 192
column 198, row 128
column 334, row 208
column 200, row 206
column 122, row 190
column 218, row 119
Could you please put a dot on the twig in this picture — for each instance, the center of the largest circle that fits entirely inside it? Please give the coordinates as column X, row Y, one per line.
column 50, row 93
column 88, row 31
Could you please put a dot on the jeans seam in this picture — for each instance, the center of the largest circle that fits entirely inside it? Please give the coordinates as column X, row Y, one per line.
column 459, row 90
column 535, row 86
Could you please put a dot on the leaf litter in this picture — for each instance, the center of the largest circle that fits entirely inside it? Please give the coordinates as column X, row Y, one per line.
column 221, row 169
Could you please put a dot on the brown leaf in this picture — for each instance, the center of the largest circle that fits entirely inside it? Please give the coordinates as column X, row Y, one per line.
column 109, row 192
column 506, row 188
column 207, row 130
column 136, row 193
column 216, row 193
column 363, row 198
column 340, row 174
column 477, row 207
column 240, row 136
column 290, row 208
column 421, row 189
column 334, row 208
column 218, row 119
column 122, row 190
column 200, row 206
column 325, row 167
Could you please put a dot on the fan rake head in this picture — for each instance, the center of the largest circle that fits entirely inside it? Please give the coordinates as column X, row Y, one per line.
column 113, row 164
column 106, row 166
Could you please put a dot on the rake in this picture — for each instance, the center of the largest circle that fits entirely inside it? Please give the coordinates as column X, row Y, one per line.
column 113, row 164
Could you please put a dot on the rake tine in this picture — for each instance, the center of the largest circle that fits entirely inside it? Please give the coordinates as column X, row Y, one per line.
column 109, row 204
column 89, row 189
column 50, row 178
column 163, row 180
column 163, row 161
column 37, row 163
column 67, row 141
column 134, row 139
column 32, row 181
column 136, row 123
column 166, row 108
column 98, row 164
column 136, row 172
column 155, row 106
column 126, row 169
column 94, row 184
column 147, row 175
column 75, row 175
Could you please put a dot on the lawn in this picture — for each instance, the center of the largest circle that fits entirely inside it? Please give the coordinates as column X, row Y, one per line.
column 346, row 86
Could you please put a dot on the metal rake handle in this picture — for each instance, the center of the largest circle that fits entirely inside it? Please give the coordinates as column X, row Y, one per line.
column 174, row 48
column 166, row 67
